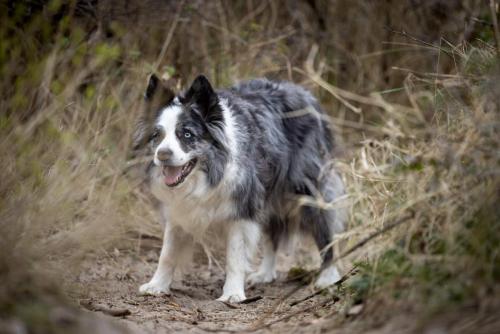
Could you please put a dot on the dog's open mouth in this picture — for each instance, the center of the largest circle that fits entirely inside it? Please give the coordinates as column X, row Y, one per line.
column 175, row 175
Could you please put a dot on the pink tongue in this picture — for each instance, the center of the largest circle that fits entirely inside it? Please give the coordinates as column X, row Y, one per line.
column 172, row 173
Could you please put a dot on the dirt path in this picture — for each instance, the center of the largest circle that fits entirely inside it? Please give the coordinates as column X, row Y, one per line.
column 113, row 283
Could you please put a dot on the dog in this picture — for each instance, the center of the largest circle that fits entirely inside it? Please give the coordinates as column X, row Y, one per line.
column 254, row 160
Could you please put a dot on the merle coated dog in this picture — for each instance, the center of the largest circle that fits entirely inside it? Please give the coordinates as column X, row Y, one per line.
column 254, row 159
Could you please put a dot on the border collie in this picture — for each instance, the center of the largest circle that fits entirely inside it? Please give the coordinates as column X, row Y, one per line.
column 254, row 159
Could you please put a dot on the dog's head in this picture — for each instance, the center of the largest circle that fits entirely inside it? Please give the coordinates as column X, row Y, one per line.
column 183, row 133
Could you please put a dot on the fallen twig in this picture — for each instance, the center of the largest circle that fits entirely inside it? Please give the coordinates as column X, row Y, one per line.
column 307, row 297
column 314, row 294
column 290, row 315
column 115, row 312
column 230, row 305
column 265, row 325
column 251, row 300
column 361, row 243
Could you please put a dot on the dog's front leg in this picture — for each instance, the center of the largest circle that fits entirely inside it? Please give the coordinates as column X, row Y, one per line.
column 242, row 239
column 177, row 246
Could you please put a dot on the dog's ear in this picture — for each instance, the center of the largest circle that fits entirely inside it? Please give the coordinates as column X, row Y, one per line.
column 159, row 90
column 158, row 94
column 152, row 86
column 202, row 93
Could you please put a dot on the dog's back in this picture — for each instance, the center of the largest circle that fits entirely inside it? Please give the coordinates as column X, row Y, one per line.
column 288, row 145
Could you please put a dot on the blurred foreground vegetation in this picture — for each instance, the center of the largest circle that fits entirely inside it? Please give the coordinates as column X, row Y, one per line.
column 412, row 88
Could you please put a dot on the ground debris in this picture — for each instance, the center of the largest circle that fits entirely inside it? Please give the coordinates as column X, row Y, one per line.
column 251, row 300
column 115, row 312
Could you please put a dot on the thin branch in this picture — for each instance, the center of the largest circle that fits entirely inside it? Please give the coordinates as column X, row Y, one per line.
column 358, row 245
column 343, row 95
column 374, row 235
column 494, row 9
column 418, row 40
column 314, row 294
column 170, row 34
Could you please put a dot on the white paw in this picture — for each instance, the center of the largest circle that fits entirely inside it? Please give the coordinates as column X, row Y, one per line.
column 327, row 277
column 232, row 298
column 154, row 289
column 262, row 277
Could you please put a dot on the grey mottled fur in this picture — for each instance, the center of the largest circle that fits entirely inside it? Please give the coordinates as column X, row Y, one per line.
column 284, row 149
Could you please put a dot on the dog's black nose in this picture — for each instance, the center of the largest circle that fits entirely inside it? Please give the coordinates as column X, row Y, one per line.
column 164, row 154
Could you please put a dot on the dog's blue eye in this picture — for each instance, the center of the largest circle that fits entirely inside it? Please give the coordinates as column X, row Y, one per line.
column 187, row 134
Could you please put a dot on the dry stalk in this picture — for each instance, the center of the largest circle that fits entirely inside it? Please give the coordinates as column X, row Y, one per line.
column 494, row 11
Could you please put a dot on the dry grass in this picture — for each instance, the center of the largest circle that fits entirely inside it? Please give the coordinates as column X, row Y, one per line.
column 439, row 161
column 417, row 119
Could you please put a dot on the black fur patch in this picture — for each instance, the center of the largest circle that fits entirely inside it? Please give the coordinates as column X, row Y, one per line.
column 158, row 95
column 203, row 118
column 283, row 145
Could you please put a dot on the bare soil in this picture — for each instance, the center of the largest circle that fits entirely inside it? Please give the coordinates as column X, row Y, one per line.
column 111, row 283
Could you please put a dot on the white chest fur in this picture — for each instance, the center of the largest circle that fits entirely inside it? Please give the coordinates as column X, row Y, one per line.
column 193, row 205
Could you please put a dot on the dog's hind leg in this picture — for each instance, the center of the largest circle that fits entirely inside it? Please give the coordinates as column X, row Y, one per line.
column 267, row 269
column 323, row 223
column 177, row 248
column 243, row 237
column 318, row 224
column 275, row 232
